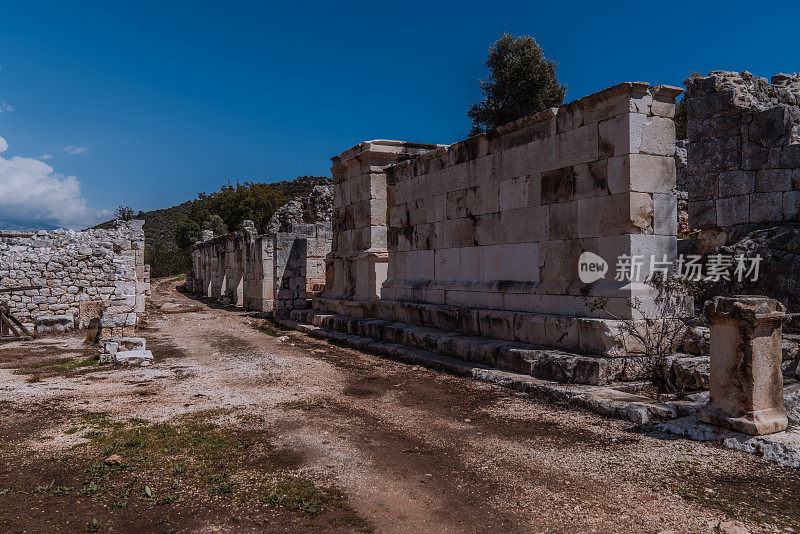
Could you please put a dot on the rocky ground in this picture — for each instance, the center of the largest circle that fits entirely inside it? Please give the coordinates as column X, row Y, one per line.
column 240, row 427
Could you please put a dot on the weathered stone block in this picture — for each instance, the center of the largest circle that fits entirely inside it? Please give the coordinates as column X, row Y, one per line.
column 589, row 210
column 766, row 207
column 525, row 225
column 564, row 220
column 658, row 137
column 770, row 180
column 733, row 210
column 530, row 328
column 591, row 180
column 791, row 206
column 703, row 214
column 730, row 183
column 746, row 384
column 562, row 332
column 558, row 185
column 665, row 213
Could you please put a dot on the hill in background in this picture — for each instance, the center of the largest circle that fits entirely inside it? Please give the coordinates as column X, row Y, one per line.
column 232, row 203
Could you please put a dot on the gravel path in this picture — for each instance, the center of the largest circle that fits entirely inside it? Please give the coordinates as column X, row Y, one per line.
column 417, row 450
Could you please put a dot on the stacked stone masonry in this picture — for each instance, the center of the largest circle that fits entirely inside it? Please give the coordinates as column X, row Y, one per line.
column 359, row 255
column 483, row 237
column 299, row 271
column 268, row 272
column 499, row 221
column 95, row 274
column 743, row 153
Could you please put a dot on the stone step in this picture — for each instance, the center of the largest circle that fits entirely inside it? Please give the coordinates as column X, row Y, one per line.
column 603, row 400
column 542, row 362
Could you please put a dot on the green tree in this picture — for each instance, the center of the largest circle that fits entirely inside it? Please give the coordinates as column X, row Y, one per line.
column 215, row 224
column 187, row 233
column 235, row 203
column 521, row 81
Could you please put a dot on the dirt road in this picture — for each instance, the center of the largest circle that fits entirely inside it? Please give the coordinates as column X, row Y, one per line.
column 366, row 444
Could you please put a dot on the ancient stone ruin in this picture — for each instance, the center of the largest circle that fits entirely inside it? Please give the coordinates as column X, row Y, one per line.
column 273, row 272
column 482, row 239
column 503, row 251
column 743, row 153
column 746, row 380
column 95, row 277
column 474, row 251
column 743, row 176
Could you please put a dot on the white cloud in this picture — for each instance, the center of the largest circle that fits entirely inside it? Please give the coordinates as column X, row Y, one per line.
column 74, row 150
column 5, row 107
column 45, row 157
column 32, row 192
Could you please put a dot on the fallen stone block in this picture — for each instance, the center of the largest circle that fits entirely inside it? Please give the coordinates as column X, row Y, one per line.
column 687, row 373
column 133, row 357
column 110, row 346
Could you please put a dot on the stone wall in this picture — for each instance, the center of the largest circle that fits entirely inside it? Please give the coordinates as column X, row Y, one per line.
column 483, row 237
column 235, row 268
column 85, row 275
column 743, row 154
column 357, row 262
column 299, row 271
column 264, row 272
column 499, row 221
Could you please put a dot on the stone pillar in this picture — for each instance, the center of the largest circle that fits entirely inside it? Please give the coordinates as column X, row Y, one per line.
column 746, row 381
column 357, row 264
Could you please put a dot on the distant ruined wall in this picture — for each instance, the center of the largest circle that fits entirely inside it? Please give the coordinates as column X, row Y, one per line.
column 268, row 272
column 85, row 275
column 743, row 154
column 299, row 271
column 235, row 268
column 263, row 271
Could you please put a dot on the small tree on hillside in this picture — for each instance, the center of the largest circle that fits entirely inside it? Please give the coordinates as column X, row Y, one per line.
column 124, row 212
column 521, row 81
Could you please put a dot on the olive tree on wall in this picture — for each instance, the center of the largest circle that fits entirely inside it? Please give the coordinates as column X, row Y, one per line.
column 521, row 81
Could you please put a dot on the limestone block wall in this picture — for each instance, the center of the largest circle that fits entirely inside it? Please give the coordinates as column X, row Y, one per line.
column 499, row 221
column 299, row 265
column 743, row 153
column 357, row 262
column 85, row 275
column 236, row 268
column 261, row 271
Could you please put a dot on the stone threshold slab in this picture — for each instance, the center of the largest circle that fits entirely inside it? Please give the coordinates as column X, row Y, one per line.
column 602, row 400
column 541, row 362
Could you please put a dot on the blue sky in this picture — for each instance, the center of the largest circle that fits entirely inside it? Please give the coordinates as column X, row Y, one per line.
column 149, row 103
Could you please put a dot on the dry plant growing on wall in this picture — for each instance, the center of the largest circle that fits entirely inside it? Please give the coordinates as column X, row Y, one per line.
column 661, row 329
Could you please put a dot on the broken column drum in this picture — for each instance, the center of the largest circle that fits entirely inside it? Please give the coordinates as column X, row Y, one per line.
column 746, row 381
